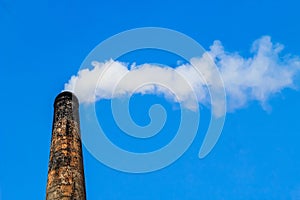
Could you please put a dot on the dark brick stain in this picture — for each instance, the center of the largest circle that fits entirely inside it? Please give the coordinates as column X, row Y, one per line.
column 65, row 170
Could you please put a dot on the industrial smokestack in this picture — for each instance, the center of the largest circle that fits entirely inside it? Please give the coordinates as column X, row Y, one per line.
column 65, row 172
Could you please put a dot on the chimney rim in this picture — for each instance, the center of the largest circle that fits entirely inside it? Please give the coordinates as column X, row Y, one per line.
column 66, row 95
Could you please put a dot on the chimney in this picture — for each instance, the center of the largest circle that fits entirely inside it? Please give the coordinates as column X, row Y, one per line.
column 65, row 171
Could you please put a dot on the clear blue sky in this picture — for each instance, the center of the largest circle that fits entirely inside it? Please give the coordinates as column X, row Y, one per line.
column 42, row 43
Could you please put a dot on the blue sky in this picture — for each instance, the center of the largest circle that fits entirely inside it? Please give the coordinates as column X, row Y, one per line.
column 42, row 45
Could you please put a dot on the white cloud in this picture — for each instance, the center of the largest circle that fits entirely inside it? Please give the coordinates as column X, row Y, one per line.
column 254, row 78
column 258, row 77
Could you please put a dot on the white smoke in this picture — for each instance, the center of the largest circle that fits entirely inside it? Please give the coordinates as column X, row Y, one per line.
column 254, row 78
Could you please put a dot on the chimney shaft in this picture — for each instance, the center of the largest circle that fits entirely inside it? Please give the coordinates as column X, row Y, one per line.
column 65, row 172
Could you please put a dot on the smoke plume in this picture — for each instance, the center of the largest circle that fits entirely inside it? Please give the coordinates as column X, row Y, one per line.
column 256, row 78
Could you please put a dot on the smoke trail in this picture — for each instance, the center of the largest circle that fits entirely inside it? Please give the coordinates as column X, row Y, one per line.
column 254, row 78
column 258, row 77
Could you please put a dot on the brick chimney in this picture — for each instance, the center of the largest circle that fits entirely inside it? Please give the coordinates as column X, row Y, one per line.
column 65, row 171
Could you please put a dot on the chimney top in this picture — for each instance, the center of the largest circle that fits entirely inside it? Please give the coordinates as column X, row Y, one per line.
column 67, row 95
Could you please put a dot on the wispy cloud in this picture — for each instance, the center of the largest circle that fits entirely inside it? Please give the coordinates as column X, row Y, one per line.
column 255, row 78
column 258, row 77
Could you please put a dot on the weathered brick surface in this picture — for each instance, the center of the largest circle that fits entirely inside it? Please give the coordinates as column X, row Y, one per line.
column 65, row 171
